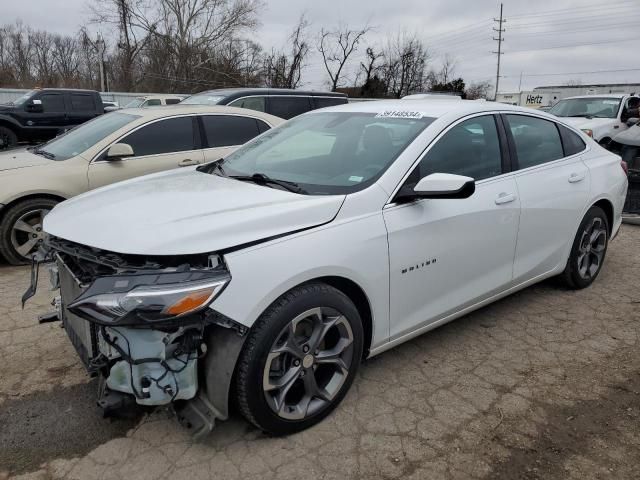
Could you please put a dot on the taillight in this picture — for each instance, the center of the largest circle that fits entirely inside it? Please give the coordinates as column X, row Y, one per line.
column 625, row 167
column 588, row 132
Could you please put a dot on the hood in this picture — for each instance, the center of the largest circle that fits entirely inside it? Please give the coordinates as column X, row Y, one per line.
column 631, row 136
column 185, row 212
column 588, row 123
column 4, row 107
column 20, row 158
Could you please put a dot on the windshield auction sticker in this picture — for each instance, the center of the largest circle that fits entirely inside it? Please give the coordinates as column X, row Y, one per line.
column 399, row 114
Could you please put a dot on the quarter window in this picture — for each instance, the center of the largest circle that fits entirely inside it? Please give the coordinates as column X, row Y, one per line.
column 288, row 107
column 227, row 130
column 471, row 148
column 52, row 102
column 152, row 102
column 164, row 136
column 537, row 141
column 172, row 101
column 572, row 143
column 252, row 103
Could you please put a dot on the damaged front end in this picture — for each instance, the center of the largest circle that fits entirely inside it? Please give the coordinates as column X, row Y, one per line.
column 142, row 325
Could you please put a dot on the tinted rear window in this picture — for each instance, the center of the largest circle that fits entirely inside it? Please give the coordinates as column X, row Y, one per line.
column 82, row 102
column 228, row 130
column 321, row 102
column 163, row 136
column 288, row 107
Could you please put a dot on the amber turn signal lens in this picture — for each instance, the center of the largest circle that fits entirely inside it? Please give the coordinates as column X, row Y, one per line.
column 190, row 302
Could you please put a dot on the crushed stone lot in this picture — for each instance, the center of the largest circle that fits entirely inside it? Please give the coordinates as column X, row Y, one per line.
column 544, row 384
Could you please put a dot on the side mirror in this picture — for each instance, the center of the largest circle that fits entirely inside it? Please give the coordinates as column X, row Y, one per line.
column 632, row 121
column 35, row 106
column 118, row 151
column 439, row 185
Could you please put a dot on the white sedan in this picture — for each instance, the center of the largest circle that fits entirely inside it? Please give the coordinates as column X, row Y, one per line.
column 262, row 280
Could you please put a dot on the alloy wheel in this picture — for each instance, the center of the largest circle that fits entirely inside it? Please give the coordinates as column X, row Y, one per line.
column 308, row 363
column 591, row 249
column 27, row 233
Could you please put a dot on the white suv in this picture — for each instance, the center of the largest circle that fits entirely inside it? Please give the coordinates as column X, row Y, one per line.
column 601, row 117
column 264, row 279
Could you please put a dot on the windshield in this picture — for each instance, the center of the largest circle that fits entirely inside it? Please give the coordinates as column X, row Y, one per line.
column 329, row 152
column 24, row 98
column 86, row 135
column 587, row 107
column 203, row 99
column 135, row 103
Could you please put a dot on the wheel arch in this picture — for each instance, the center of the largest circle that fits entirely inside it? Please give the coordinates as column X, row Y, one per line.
column 9, row 123
column 607, row 207
column 30, row 196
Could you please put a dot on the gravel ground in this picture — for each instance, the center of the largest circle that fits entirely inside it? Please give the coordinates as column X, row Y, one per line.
column 542, row 385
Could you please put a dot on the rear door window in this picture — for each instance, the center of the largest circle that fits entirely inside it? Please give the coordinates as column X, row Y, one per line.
column 82, row 102
column 152, row 102
column 252, row 103
column 288, row 107
column 172, row 101
column 164, row 136
column 229, row 130
column 537, row 141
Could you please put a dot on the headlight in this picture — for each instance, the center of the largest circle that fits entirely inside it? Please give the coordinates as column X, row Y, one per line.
column 588, row 131
column 145, row 302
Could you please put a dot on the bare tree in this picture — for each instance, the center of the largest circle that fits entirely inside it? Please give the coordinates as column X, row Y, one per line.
column 404, row 69
column 478, row 90
column 125, row 16
column 282, row 70
column 336, row 46
column 67, row 61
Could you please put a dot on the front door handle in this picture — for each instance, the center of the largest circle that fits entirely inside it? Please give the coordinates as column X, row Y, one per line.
column 188, row 162
column 505, row 198
column 576, row 177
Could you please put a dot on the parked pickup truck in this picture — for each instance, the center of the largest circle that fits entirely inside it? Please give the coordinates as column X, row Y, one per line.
column 600, row 116
column 41, row 114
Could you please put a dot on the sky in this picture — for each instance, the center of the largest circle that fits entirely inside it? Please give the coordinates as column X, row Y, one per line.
column 547, row 42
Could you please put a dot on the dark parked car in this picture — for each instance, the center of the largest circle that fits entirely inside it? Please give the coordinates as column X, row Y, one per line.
column 41, row 114
column 281, row 102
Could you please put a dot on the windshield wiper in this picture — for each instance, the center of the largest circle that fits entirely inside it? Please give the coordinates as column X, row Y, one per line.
column 262, row 179
column 45, row 154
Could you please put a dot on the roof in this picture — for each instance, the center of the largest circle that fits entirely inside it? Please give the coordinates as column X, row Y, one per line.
column 186, row 109
column 600, row 95
column 79, row 90
column 594, row 85
column 160, row 95
column 433, row 108
column 268, row 91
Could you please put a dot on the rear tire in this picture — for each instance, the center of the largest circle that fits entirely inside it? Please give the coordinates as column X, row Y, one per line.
column 300, row 359
column 21, row 229
column 8, row 138
column 588, row 250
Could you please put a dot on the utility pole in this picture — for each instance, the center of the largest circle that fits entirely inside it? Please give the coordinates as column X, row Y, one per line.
column 100, row 47
column 500, row 39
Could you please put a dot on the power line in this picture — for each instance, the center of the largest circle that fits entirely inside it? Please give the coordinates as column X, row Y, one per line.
column 574, row 73
column 572, row 11
column 599, row 18
column 576, row 45
column 587, row 29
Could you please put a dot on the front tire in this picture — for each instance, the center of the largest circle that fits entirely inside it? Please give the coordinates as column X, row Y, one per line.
column 8, row 138
column 21, row 229
column 588, row 250
column 300, row 359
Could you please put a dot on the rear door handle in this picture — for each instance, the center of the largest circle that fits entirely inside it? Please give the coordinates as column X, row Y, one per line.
column 188, row 162
column 505, row 198
column 576, row 177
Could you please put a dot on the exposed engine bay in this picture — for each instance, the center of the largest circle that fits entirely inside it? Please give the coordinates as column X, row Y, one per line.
column 141, row 324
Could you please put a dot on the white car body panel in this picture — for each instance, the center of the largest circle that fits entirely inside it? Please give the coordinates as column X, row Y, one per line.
column 485, row 246
column 155, row 224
